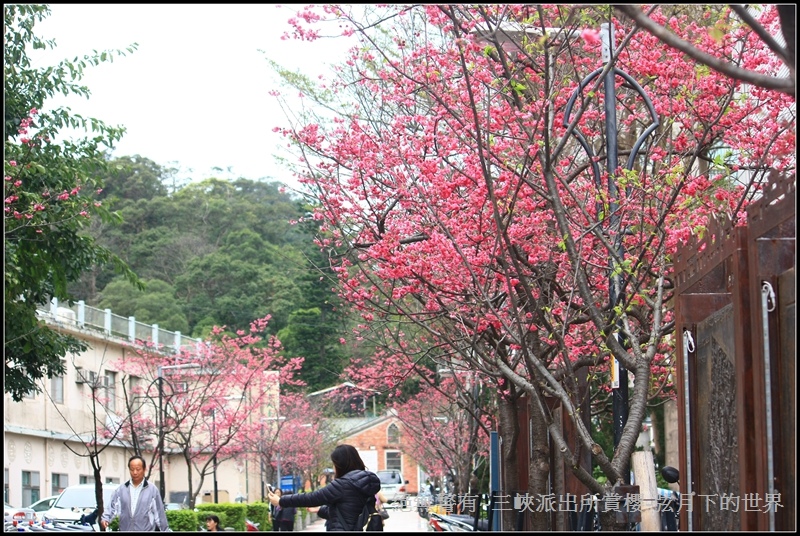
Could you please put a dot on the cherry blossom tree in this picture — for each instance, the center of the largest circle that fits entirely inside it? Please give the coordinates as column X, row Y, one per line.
column 461, row 183
column 786, row 14
column 443, row 433
column 289, row 439
column 215, row 396
column 299, row 440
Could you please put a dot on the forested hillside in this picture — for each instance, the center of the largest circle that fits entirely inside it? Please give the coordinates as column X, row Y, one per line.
column 217, row 253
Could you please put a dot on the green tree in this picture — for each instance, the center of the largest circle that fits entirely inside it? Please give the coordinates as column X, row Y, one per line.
column 231, row 251
column 309, row 334
column 129, row 180
column 156, row 305
column 50, row 192
column 235, row 291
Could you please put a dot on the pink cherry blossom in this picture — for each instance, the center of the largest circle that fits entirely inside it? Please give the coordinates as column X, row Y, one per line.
column 592, row 37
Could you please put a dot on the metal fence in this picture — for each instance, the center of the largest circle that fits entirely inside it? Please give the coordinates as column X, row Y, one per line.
column 735, row 317
column 84, row 317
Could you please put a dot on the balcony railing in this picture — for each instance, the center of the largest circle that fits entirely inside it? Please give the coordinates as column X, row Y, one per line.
column 85, row 317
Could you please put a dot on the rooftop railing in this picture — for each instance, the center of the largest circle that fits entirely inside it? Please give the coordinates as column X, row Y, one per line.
column 85, row 317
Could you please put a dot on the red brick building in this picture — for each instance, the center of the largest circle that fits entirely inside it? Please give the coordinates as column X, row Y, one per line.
column 379, row 441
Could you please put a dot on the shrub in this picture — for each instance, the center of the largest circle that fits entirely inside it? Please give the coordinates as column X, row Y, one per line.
column 183, row 520
column 230, row 514
column 258, row 512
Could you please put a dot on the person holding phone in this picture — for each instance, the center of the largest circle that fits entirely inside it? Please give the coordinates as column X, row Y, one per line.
column 340, row 502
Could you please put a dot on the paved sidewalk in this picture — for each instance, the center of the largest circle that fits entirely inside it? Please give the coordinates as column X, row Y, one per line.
column 399, row 521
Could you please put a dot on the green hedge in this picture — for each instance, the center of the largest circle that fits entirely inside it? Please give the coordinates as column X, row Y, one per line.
column 258, row 512
column 183, row 520
column 234, row 514
column 229, row 514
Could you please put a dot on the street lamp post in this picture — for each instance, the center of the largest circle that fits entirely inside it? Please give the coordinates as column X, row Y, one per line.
column 278, row 457
column 619, row 393
column 214, row 446
column 214, row 442
column 261, row 463
column 278, row 468
column 161, row 486
column 619, row 383
column 162, row 419
column 619, row 375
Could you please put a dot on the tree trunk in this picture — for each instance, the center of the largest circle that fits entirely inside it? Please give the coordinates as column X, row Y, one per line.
column 539, row 471
column 193, row 493
column 94, row 459
column 509, row 425
column 608, row 522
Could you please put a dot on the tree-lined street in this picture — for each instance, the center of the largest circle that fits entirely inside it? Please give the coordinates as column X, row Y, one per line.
column 494, row 199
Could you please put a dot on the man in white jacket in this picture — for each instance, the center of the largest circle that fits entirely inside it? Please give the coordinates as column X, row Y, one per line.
column 137, row 503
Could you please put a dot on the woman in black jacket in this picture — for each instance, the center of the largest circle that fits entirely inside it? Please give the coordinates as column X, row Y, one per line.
column 344, row 497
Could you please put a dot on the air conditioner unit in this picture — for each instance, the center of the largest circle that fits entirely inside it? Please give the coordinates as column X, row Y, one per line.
column 90, row 377
column 86, row 376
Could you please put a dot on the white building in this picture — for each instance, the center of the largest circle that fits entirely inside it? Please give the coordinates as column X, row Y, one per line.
column 45, row 435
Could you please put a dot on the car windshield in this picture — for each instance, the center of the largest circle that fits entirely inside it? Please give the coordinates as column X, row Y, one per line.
column 389, row 478
column 44, row 504
column 81, row 498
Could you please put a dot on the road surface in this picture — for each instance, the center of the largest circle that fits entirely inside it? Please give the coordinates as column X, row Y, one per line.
column 400, row 520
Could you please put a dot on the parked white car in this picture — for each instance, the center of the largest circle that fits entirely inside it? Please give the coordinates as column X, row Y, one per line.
column 76, row 501
column 393, row 486
column 21, row 515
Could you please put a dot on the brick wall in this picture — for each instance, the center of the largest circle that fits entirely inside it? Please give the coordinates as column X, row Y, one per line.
column 375, row 438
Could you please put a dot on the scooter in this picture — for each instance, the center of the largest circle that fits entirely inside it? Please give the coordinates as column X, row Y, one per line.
column 669, row 502
column 46, row 526
column 455, row 523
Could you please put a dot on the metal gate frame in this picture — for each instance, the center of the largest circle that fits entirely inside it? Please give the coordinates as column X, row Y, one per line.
column 729, row 268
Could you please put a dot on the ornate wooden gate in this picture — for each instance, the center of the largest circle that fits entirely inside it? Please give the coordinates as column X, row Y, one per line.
column 735, row 323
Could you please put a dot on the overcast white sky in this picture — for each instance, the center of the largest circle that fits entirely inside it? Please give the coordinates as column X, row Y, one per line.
column 195, row 95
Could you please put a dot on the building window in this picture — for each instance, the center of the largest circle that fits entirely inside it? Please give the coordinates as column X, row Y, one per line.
column 86, row 479
column 393, row 434
column 30, row 487
column 5, row 486
column 111, row 390
column 60, row 481
column 394, row 461
column 57, row 387
column 112, row 480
